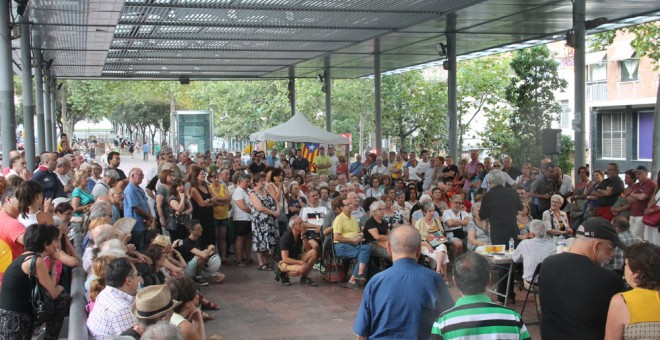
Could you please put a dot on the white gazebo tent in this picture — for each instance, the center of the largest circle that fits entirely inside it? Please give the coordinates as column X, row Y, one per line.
column 298, row 129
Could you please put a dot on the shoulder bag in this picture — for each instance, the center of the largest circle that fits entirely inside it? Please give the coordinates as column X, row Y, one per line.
column 41, row 301
column 653, row 219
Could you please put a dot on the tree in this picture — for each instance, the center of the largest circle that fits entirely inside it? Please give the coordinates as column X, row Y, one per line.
column 480, row 90
column 412, row 105
column 531, row 95
column 86, row 99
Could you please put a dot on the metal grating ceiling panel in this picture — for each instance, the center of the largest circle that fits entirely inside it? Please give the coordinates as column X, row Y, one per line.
column 261, row 39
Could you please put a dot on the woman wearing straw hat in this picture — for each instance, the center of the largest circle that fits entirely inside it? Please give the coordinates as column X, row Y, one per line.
column 151, row 304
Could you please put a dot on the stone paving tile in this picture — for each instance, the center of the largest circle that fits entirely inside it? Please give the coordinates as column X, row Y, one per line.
column 255, row 306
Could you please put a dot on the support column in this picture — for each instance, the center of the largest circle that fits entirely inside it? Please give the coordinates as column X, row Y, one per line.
column 451, row 86
column 49, row 123
column 377, row 99
column 28, row 100
column 53, row 109
column 579, row 10
column 7, row 108
column 327, row 86
column 39, row 96
column 292, row 90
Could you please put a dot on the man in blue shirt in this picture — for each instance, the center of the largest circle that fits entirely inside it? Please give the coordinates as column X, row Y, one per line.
column 356, row 167
column 404, row 300
column 136, row 206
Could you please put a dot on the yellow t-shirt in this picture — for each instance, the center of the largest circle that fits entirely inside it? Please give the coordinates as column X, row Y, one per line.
column 220, row 212
column 346, row 226
column 323, row 160
column 397, row 166
column 643, row 305
column 425, row 229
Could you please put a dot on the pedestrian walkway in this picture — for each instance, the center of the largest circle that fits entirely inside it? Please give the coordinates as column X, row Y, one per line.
column 255, row 306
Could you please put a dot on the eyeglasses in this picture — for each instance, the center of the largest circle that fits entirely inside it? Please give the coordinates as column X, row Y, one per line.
column 535, row 173
column 497, row 166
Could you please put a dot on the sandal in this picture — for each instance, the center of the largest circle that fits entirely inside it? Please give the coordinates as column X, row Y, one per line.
column 207, row 316
column 240, row 263
column 264, row 267
column 208, row 305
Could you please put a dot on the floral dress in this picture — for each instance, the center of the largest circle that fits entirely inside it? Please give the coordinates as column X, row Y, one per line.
column 265, row 234
column 395, row 218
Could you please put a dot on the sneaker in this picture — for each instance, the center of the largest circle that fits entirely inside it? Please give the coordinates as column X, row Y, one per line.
column 307, row 281
column 360, row 278
column 201, row 281
column 318, row 266
column 285, row 279
column 353, row 285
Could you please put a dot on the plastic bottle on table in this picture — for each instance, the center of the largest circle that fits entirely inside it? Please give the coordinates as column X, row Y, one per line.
column 511, row 245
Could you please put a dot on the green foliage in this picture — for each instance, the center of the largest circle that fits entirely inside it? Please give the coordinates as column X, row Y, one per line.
column 480, row 91
column 413, row 105
column 531, row 95
column 565, row 159
column 646, row 41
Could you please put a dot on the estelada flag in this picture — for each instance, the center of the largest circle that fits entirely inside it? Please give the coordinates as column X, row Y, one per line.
column 310, row 151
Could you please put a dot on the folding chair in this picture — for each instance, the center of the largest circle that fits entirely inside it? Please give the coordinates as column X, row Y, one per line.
column 335, row 261
column 533, row 288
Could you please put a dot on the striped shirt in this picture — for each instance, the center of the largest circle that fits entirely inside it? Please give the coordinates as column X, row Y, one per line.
column 475, row 317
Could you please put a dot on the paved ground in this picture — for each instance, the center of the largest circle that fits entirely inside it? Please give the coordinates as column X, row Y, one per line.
column 255, row 306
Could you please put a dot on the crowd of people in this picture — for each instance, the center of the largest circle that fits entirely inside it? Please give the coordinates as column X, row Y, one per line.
column 148, row 239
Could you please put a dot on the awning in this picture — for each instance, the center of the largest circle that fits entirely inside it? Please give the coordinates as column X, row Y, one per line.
column 595, row 57
column 622, row 51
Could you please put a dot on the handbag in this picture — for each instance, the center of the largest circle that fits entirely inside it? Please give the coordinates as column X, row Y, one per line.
column 652, row 220
column 42, row 303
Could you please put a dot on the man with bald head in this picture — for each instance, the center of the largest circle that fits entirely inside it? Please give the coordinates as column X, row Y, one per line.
column 390, row 308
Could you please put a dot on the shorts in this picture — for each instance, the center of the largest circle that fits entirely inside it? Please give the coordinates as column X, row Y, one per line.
column 223, row 223
column 243, row 228
column 285, row 268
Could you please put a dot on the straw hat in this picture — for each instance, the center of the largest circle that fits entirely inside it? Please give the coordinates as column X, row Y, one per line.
column 153, row 302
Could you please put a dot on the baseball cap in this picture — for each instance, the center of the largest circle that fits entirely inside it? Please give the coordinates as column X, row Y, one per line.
column 598, row 227
column 641, row 168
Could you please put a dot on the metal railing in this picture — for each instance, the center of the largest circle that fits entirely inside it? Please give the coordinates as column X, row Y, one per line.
column 596, row 91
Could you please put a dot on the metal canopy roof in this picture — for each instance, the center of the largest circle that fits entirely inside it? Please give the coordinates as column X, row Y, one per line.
column 261, row 39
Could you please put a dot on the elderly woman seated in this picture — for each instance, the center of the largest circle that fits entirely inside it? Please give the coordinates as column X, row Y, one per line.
column 555, row 219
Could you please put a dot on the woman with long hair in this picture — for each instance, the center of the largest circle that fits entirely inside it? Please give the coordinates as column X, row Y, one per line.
column 179, row 210
column 275, row 188
column 523, row 219
column 202, row 203
column 165, row 178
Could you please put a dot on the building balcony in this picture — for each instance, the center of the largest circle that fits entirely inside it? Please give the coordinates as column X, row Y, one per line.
column 596, row 91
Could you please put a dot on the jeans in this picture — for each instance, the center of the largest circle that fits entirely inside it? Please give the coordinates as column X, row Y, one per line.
column 360, row 252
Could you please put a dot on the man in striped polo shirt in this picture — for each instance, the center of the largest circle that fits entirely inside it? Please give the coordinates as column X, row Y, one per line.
column 474, row 315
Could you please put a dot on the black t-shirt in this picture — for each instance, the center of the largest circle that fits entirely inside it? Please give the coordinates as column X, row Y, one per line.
column 616, row 185
column 185, row 248
column 373, row 224
column 575, row 295
column 500, row 206
column 257, row 168
column 122, row 175
column 513, row 172
column 288, row 242
column 152, row 183
column 300, row 164
column 448, row 169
